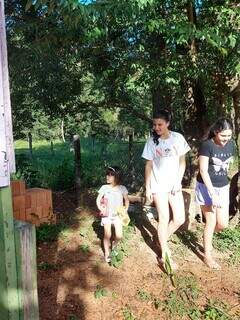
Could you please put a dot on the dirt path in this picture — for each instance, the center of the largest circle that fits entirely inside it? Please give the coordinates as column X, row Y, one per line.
column 76, row 284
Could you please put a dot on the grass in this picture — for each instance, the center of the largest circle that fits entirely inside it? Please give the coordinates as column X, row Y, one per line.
column 182, row 300
column 215, row 310
column 55, row 170
column 117, row 255
column 143, row 295
column 127, row 314
column 229, row 241
column 49, row 232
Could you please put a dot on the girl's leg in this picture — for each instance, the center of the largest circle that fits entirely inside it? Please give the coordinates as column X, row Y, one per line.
column 106, row 240
column 161, row 203
column 211, row 219
column 118, row 232
column 177, row 204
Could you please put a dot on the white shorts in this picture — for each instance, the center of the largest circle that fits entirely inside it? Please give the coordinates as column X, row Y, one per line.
column 204, row 198
column 111, row 220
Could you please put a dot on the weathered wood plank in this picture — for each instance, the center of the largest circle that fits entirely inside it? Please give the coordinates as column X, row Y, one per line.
column 8, row 278
column 27, row 270
column 4, row 75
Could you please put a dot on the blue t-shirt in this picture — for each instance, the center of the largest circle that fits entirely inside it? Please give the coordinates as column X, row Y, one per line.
column 219, row 161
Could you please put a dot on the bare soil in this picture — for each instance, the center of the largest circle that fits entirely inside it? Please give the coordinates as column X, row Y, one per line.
column 66, row 289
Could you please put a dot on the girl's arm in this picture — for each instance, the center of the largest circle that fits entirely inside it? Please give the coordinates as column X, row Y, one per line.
column 203, row 166
column 126, row 201
column 148, row 170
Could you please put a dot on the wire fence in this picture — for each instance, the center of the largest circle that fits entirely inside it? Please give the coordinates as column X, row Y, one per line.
column 53, row 166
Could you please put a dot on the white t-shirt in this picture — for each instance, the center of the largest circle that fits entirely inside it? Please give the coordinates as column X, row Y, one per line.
column 114, row 197
column 165, row 157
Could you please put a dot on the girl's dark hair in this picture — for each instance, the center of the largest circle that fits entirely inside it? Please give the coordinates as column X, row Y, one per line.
column 164, row 115
column 220, row 125
column 116, row 172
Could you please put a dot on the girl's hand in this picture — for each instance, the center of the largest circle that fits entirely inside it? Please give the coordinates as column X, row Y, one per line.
column 149, row 196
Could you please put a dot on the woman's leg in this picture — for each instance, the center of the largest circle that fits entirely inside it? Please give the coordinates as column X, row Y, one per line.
column 210, row 225
column 222, row 218
column 106, row 240
column 161, row 203
column 223, row 212
column 177, row 205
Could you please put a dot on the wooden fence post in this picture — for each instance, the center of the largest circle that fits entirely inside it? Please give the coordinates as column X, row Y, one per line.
column 9, row 303
column 25, row 242
column 30, row 143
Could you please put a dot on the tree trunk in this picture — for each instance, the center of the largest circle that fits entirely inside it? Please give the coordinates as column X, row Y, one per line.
column 77, row 161
column 52, row 149
column 195, row 115
column 235, row 92
column 30, row 143
column 158, row 100
column 132, row 176
column 62, row 131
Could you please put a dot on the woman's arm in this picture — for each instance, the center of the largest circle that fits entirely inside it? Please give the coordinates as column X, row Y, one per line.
column 182, row 167
column 148, row 171
column 99, row 197
column 203, row 168
column 126, row 201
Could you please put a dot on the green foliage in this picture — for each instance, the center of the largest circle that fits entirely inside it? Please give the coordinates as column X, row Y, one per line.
column 84, row 248
column 157, row 303
column 45, row 168
column 72, row 317
column 56, row 170
column 215, row 310
column 122, row 249
column 127, row 314
column 229, row 241
column 49, row 232
column 175, row 305
column 182, row 300
column 45, row 266
column 143, row 295
column 117, row 256
column 114, row 295
column 100, row 292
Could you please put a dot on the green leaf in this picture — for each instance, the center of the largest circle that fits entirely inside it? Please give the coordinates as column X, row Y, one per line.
column 28, row 5
column 232, row 40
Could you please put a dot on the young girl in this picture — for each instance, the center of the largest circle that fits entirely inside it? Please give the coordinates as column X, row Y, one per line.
column 212, row 189
column 165, row 154
column 116, row 196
